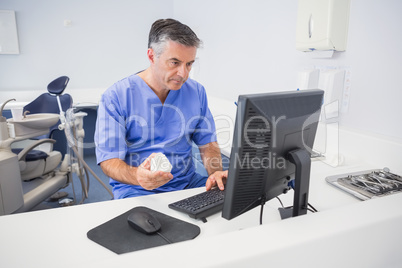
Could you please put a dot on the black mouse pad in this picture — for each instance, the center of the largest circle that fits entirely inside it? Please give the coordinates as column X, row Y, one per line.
column 118, row 236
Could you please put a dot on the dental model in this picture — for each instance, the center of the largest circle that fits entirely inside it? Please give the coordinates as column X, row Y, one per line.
column 160, row 163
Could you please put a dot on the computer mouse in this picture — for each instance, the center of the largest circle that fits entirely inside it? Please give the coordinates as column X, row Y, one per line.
column 143, row 222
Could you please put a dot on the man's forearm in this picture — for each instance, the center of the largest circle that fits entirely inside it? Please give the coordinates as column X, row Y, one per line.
column 118, row 170
column 211, row 157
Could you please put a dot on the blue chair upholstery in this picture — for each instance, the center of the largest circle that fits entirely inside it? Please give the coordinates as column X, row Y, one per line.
column 33, row 155
column 47, row 103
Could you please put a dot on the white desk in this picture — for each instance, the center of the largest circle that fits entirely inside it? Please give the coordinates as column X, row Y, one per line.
column 346, row 232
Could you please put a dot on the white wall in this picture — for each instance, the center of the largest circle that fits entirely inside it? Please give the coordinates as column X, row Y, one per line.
column 249, row 46
column 106, row 41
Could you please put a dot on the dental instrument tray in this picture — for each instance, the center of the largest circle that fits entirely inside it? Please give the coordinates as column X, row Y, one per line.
column 368, row 184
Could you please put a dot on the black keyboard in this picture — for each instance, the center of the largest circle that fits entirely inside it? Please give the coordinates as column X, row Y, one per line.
column 201, row 205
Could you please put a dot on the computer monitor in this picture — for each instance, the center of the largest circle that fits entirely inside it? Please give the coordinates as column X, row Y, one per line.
column 272, row 143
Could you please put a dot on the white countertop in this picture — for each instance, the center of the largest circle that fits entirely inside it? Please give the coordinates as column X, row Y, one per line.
column 58, row 236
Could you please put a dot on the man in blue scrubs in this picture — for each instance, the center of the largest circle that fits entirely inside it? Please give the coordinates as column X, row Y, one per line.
column 158, row 110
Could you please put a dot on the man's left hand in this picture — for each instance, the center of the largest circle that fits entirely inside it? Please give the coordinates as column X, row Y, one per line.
column 218, row 178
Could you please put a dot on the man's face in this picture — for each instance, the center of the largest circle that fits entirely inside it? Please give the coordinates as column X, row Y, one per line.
column 172, row 68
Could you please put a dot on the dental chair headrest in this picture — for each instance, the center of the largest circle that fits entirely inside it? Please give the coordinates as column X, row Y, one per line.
column 58, row 85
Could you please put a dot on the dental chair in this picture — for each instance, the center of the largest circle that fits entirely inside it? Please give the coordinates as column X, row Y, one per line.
column 35, row 163
column 29, row 175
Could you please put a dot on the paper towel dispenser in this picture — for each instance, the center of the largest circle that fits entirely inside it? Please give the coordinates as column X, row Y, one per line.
column 322, row 25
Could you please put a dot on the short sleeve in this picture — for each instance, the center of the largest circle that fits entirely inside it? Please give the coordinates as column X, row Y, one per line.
column 205, row 131
column 110, row 128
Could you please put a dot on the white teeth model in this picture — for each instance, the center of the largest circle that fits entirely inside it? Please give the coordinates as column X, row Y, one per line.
column 160, row 163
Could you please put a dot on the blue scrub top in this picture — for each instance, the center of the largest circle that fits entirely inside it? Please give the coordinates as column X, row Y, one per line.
column 132, row 124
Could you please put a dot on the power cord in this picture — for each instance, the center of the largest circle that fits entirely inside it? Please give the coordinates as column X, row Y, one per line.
column 280, row 201
column 309, row 208
column 312, row 208
column 263, row 200
column 308, row 204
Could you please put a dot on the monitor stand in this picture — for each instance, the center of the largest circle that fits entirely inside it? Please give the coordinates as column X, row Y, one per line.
column 301, row 159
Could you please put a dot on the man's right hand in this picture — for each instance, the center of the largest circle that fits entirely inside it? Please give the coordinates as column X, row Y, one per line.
column 151, row 180
column 118, row 170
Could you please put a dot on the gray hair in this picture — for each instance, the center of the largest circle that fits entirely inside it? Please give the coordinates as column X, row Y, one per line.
column 164, row 30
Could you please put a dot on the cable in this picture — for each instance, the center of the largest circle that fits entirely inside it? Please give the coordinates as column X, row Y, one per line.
column 263, row 200
column 80, row 158
column 85, row 188
column 308, row 204
column 261, row 213
column 280, row 201
column 312, row 208
column 91, row 171
column 69, row 174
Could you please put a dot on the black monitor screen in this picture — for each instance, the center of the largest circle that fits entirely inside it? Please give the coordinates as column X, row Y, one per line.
column 272, row 142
